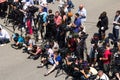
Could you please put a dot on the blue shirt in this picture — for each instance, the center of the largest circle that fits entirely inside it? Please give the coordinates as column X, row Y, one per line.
column 45, row 9
column 44, row 16
column 58, row 58
column 20, row 39
column 77, row 22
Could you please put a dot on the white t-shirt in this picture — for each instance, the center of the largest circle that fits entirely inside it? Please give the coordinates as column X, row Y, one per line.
column 50, row 53
column 55, row 46
column 103, row 77
column 84, row 13
column 93, row 71
column 4, row 34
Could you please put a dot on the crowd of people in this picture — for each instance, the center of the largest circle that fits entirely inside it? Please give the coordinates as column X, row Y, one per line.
column 63, row 44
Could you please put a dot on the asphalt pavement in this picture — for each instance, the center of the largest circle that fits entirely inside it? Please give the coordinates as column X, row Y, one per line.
column 14, row 64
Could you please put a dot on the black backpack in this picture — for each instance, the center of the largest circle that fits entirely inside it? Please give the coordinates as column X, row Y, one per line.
column 51, row 18
column 40, row 18
column 117, row 59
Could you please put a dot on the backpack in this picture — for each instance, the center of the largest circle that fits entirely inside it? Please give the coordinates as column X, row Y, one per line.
column 40, row 18
column 117, row 59
column 15, row 37
column 51, row 18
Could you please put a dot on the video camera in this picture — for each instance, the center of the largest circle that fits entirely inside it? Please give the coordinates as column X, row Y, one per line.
column 32, row 9
column 95, row 38
column 83, row 36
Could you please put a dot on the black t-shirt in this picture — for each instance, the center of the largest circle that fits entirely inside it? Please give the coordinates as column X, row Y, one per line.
column 50, row 18
column 117, row 59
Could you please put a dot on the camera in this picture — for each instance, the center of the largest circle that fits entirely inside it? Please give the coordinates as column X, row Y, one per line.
column 32, row 9
column 83, row 36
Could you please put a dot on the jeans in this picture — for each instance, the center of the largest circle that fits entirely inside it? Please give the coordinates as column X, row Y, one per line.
column 116, row 33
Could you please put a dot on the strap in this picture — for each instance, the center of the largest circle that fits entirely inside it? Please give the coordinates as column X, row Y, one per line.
column 117, row 18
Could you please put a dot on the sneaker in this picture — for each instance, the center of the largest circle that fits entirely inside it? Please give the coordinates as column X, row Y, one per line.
column 46, row 74
column 30, row 57
column 40, row 66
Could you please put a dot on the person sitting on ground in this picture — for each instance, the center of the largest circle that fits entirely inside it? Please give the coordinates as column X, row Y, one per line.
column 18, row 41
column 57, row 61
column 29, row 43
column 47, row 57
column 54, row 45
column 4, row 36
column 35, row 53
column 101, row 76
column 88, row 73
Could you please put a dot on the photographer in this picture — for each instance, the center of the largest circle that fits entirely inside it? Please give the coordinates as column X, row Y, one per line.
column 116, row 25
column 102, row 24
column 29, row 43
column 58, row 23
column 50, row 29
column 94, row 49
column 47, row 57
column 3, row 7
column 29, row 21
column 57, row 59
column 18, row 41
column 79, row 69
column 72, row 44
column 95, row 38
column 81, row 44
column 35, row 52
column 16, row 15
column 93, row 54
column 42, row 21
column 106, row 58
column 77, row 24
column 116, row 67
column 4, row 36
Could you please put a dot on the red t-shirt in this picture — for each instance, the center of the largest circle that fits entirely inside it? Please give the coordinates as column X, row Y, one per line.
column 107, row 54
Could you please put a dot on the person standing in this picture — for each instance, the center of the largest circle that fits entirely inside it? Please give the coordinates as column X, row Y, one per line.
column 106, row 58
column 116, row 68
column 50, row 28
column 77, row 24
column 116, row 25
column 3, row 7
column 83, row 14
column 42, row 21
column 58, row 22
column 70, row 4
column 103, row 24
